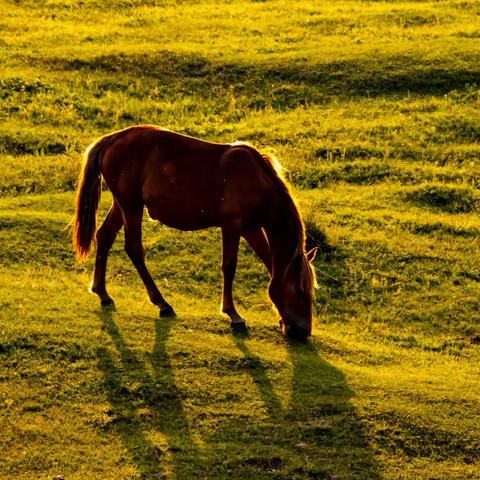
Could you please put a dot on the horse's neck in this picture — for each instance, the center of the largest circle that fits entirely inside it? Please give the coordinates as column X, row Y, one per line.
column 285, row 235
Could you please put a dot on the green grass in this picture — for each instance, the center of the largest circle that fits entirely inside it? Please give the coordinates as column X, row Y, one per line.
column 373, row 109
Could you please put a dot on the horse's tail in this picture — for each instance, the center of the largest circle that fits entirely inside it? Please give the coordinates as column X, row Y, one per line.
column 88, row 197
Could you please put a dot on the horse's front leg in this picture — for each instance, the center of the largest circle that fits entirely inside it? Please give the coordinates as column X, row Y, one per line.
column 230, row 241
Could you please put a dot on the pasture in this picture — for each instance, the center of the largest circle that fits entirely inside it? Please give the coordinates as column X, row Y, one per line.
column 372, row 108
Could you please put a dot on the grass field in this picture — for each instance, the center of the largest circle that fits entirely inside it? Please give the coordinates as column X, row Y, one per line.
column 372, row 107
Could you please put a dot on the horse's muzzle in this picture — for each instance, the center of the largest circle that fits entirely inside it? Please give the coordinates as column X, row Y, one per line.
column 295, row 332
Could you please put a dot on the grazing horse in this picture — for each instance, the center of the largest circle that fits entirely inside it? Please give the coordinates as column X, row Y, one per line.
column 190, row 184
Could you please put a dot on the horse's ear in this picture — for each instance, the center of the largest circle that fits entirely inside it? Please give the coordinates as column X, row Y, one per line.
column 311, row 254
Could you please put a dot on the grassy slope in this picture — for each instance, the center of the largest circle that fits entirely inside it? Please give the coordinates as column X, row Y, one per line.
column 372, row 106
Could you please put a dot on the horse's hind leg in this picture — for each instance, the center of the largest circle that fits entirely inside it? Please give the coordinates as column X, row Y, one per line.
column 105, row 235
column 132, row 219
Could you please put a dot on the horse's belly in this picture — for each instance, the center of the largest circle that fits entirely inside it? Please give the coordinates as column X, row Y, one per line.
column 181, row 218
column 181, row 199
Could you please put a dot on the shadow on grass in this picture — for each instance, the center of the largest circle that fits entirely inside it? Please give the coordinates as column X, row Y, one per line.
column 327, row 421
column 319, row 435
column 145, row 402
column 259, row 374
column 387, row 75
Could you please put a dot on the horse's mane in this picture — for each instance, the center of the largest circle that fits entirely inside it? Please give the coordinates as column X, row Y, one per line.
column 273, row 169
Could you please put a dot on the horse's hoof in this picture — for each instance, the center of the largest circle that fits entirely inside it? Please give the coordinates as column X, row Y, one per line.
column 167, row 311
column 107, row 303
column 239, row 328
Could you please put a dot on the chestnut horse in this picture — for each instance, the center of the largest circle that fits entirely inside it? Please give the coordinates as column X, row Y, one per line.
column 190, row 184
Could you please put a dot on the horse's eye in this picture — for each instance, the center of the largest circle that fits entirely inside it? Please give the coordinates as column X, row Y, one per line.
column 300, row 291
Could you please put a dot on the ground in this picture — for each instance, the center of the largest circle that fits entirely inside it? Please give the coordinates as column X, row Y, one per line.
column 372, row 108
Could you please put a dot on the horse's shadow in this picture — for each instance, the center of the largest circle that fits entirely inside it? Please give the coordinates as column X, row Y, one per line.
column 145, row 401
column 322, row 424
column 318, row 435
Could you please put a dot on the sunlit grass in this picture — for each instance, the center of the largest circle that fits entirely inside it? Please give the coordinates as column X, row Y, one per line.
column 372, row 107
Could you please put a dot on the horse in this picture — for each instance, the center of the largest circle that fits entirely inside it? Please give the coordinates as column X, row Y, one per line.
column 190, row 184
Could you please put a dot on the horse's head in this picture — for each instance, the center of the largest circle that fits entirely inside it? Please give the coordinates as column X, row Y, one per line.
column 293, row 296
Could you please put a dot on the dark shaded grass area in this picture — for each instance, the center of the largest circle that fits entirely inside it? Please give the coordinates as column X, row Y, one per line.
column 30, row 145
column 395, row 75
column 36, row 241
column 407, row 435
column 445, row 198
column 317, row 174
